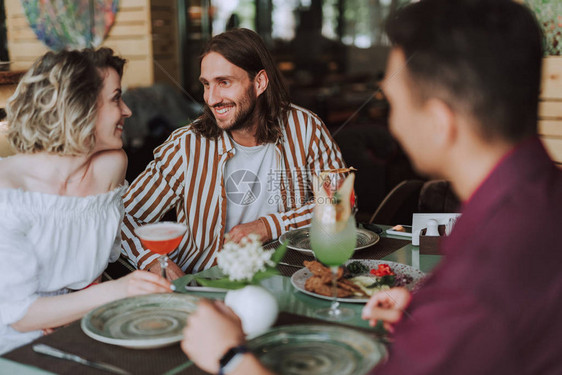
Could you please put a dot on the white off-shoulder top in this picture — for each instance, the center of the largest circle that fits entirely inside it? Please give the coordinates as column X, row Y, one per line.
column 50, row 244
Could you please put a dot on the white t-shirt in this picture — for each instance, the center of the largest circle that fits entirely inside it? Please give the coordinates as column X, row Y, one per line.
column 250, row 184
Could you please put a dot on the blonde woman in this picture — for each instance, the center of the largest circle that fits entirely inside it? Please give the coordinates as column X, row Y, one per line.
column 60, row 195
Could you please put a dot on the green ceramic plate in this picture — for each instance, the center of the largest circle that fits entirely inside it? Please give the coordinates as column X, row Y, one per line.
column 317, row 350
column 141, row 322
column 299, row 240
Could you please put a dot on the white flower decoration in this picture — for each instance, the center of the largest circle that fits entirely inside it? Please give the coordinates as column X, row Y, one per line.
column 240, row 262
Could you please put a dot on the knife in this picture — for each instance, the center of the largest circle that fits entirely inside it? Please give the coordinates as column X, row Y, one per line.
column 50, row 351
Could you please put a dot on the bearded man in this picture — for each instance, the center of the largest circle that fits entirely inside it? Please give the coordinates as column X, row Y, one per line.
column 243, row 167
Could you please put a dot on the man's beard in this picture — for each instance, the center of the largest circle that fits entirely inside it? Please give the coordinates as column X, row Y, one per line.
column 247, row 109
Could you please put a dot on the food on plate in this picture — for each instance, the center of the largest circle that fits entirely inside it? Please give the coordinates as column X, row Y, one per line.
column 403, row 280
column 356, row 268
column 321, row 282
column 318, row 269
column 369, row 284
column 382, row 270
column 353, row 280
column 399, row 228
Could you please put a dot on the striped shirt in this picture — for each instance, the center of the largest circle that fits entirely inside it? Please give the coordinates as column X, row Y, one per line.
column 187, row 175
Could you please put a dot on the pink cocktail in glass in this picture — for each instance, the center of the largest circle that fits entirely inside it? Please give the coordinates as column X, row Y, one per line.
column 161, row 238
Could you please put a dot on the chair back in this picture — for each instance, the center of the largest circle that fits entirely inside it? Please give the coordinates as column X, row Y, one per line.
column 399, row 204
column 437, row 196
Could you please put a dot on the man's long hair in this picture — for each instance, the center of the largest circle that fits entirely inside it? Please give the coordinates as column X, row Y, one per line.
column 245, row 49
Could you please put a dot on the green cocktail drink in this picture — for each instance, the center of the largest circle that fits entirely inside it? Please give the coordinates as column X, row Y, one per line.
column 333, row 248
column 333, row 236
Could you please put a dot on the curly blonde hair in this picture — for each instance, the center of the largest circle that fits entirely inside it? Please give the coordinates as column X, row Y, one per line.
column 54, row 107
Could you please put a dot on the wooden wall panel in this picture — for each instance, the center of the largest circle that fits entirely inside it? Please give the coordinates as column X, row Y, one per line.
column 26, row 51
column 130, row 30
column 554, row 147
column 551, row 128
column 129, row 47
column 131, row 14
column 550, row 107
column 552, row 78
column 144, row 31
column 23, row 45
column 132, row 3
column 138, row 73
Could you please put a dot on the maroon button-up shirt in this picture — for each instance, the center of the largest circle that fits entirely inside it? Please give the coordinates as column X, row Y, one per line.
column 494, row 304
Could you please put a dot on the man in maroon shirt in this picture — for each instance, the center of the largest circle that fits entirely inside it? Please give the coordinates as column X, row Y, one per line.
column 463, row 81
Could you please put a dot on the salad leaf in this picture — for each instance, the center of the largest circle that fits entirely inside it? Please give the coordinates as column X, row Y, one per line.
column 388, row 280
column 357, row 268
column 384, row 280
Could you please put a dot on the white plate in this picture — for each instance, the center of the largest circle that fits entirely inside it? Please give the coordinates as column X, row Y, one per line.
column 141, row 322
column 299, row 278
column 299, row 240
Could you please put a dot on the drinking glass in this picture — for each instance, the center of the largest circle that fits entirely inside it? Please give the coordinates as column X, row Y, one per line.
column 161, row 238
column 333, row 234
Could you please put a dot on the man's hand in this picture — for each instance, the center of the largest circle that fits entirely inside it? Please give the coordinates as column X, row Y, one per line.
column 242, row 230
column 388, row 306
column 211, row 330
column 172, row 271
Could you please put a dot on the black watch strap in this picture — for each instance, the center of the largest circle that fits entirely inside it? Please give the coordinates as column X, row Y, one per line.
column 231, row 358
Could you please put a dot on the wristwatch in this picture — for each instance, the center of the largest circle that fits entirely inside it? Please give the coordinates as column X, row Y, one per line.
column 231, row 359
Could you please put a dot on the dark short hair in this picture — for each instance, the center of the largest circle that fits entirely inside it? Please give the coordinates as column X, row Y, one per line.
column 54, row 107
column 245, row 49
column 482, row 57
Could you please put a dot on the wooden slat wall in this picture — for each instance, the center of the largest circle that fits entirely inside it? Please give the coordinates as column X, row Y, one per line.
column 550, row 109
column 23, row 45
column 144, row 32
column 131, row 37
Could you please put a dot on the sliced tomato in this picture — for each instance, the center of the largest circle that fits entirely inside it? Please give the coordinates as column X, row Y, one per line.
column 382, row 270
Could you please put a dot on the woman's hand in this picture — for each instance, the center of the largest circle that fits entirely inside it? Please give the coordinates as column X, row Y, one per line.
column 388, row 306
column 141, row 282
column 55, row 311
column 172, row 271
column 211, row 330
